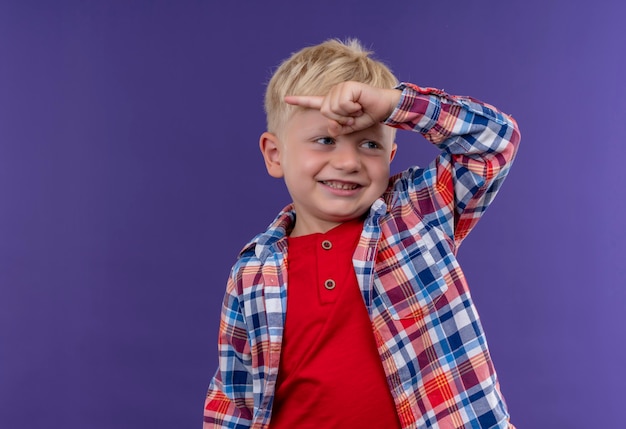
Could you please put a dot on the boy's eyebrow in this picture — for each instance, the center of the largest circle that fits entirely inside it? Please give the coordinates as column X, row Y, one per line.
column 316, row 130
column 372, row 133
column 360, row 134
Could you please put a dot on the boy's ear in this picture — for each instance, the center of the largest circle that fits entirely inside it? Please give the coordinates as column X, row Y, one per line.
column 270, row 148
column 394, row 148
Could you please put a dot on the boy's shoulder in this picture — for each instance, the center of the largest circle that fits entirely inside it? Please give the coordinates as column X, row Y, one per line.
column 264, row 244
column 260, row 252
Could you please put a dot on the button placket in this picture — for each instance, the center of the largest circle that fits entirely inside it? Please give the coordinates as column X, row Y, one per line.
column 327, row 271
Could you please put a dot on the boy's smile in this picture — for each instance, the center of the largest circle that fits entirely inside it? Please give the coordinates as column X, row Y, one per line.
column 330, row 179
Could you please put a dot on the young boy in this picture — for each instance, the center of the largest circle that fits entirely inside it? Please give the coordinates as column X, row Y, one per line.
column 351, row 310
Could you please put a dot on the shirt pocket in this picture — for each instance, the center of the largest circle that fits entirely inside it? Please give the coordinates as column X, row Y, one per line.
column 407, row 280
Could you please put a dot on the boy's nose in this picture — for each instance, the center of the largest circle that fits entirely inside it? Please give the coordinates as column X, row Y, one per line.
column 346, row 158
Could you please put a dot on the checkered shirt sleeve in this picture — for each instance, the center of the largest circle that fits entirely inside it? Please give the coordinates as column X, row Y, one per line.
column 229, row 401
column 478, row 145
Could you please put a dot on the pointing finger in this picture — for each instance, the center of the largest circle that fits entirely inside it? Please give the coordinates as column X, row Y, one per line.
column 309, row 101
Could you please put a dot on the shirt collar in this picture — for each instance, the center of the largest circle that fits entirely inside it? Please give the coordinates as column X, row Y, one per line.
column 277, row 232
column 281, row 226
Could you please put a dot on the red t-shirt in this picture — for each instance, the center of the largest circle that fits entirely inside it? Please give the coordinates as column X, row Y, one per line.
column 330, row 374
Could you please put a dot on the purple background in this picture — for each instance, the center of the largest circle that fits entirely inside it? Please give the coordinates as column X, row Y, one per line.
column 130, row 178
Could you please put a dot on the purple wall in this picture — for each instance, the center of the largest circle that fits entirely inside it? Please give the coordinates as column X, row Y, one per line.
column 128, row 131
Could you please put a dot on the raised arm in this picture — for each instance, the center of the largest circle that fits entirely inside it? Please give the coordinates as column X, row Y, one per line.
column 478, row 145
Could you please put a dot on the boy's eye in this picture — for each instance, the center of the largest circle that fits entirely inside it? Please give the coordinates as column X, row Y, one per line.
column 371, row 144
column 325, row 140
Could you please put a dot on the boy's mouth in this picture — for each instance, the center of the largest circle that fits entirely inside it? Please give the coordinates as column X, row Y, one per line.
column 340, row 185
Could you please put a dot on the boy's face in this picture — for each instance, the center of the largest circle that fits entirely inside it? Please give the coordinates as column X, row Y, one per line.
column 330, row 179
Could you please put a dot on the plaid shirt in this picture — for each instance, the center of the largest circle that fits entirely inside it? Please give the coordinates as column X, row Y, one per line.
column 430, row 340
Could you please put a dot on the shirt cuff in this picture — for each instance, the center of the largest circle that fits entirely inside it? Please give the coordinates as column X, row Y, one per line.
column 415, row 104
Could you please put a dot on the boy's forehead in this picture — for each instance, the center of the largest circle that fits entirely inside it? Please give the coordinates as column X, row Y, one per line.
column 311, row 121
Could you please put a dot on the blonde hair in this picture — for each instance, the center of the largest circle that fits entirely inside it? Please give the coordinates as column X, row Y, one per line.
column 315, row 70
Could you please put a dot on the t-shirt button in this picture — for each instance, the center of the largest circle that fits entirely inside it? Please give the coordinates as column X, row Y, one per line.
column 329, row 284
column 327, row 245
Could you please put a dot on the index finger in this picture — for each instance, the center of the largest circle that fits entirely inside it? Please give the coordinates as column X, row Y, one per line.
column 308, row 101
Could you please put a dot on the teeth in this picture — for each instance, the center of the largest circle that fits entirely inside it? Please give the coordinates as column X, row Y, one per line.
column 342, row 186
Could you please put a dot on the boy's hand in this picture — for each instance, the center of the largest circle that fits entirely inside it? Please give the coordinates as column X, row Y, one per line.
column 350, row 106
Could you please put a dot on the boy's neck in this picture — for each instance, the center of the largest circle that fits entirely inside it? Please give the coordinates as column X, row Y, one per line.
column 301, row 228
